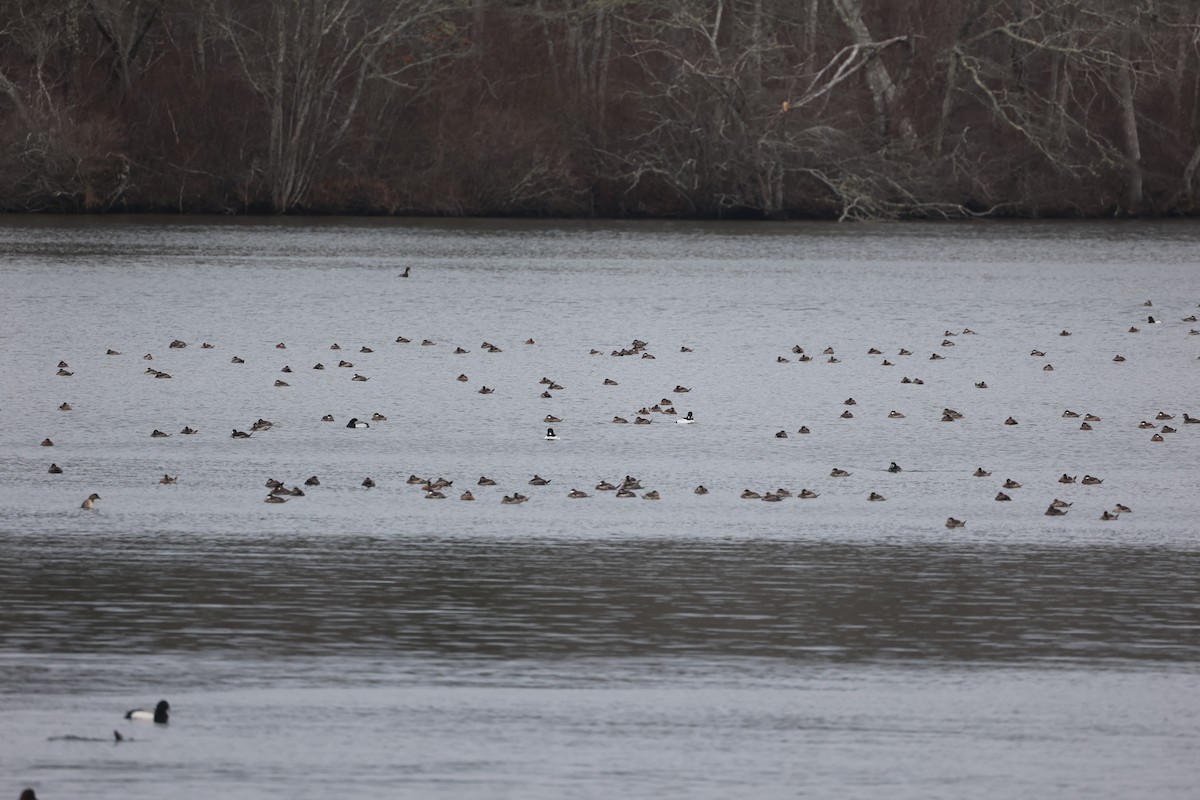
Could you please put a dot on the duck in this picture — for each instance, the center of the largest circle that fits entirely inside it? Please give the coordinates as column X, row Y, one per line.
column 947, row 343
column 406, row 273
column 1001, row 496
column 427, row 343
column 605, row 486
column 365, row 349
column 874, row 352
column 1122, row 509
column 510, row 501
column 1010, row 421
column 808, row 494
column 318, row 365
column 769, row 497
column 148, row 357
column 67, row 407
column 1144, row 424
column 839, row 473
column 980, row 472
column 847, row 414
column 355, row 423
column 1190, row 420
column 377, row 417
column 700, row 490
column 466, row 495
column 781, row 435
column 1054, row 512
column 1118, row 358
column 1153, row 321
column 286, row 368
column 1157, row 438
column 434, row 494
column 951, row 522
column 981, row 385
column 1066, row 478
column 894, row 467
column 1133, row 329
column 157, row 716
column 188, row 430
column 47, row 443
column 551, row 419
column 651, row 495
column 240, row 434
column 688, row 420
column 327, row 418
column 750, row 494
column 1088, row 480
column 236, row 360
column 313, row 481
column 782, row 360
column 680, row 389
column 368, row 483
column 281, row 346
column 64, row 373
column 575, row 494
column 485, row 390
column 273, row 484
column 1106, row 516
column 359, row 378
column 1163, row 415
column 936, row 357
column 458, row 351
column 485, row 481
column 282, row 383
column 895, row 415
column 904, row 352
column 413, row 479
column 165, row 479
column 685, row 349
column 1009, row 483
column 886, row 363
column 538, row 480
column 804, row 429
column 274, row 498
column 641, row 421
column 875, row 496
column 1048, row 368
column 1037, row 353
column 1069, row 414
column 157, row 434
column 345, row 364
column 55, row 469
column 551, row 436
column 1056, row 503
column 112, row 352
column 1091, row 418
column 402, row 340
column 177, row 344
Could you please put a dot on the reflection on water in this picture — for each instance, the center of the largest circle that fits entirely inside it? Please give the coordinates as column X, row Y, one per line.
column 570, row 597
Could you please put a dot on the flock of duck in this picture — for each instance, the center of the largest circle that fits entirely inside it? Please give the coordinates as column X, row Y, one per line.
column 439, row 488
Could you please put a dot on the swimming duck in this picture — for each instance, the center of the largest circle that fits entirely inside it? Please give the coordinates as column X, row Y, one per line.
column 282, row 383
column 346, row 364
column 651, row 495
column 620, row 420
column 1106, row 516
column 67, row 407
column 947, row 343
column 274, row 498
column 905, row 379
column 1133, row 329
column 1091, row 418
column 434, row 494
column 281, row 346
column 545, row 395
column 781, row 360
column 839, row 473
column 1066, row 478
column 1009, row 483
column 875, row 496
column 261, row 424
column 90, row 502
column 610, row 382
column 641, row 421
column 187, row 431
column 462, row 379
column 486, row 390
column 47, row 443
column 112, row 352
column 1056, row 503
column 1084, row 426
column 458, row 351
column 936, row 357
column 273, row 484
column 286, row 368
column 327, row 418
column 551, row 436
column 377, row 417
column 575, row 494
column 240, row 434
column 874, row 352
column 1122, row 509
column 895, row 415
column 1048, row 368
column 365, row 349
column 177, row 344
column 236, row 360
column 947, row 418
column 980, row 472
column 750, row 494
column 1069, row 414
column 1010, row 421
column 368, row 483
column 624, row 493
column 402, row 340
column 441, row 483
column 147, row 357
column 355, row 423
column 904, row 352
column 537, row 480
column 833, row 360
column 981, row 385
column 1088, row 480
column 1118, row 358
column 808, row 494
column 158, row 715
column 1153, row 321
column 700, row 490
column 63, row 373
column 359, row 378
column 1148, row 304
column 550, row 419
column 804, row 358
column 166, row 479
column 781, row 435
column 1037, row 353
column 894, row 467
column 1001, row 496
column 685, row 349
column 886, row 363
column 412, row 479
column 1054, row 512
column 313, row 481
column 466, row 495
column 297, row 492
column 1157, row 438
column 688, row 420
column 769, row 497
column 55, row 469
column 1192, row 318
column 1163, row 415
column 605, row 486
column 631, row 482
column 406, row 273
column 1190, row 420
column 951, row 522
column 426, row 343
column 804, row 429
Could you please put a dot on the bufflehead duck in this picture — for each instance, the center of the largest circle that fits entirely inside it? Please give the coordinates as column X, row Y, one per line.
column 158, row 715
column 551, row 436
column 355, row 423
column 1153, row 321
column 688, row 420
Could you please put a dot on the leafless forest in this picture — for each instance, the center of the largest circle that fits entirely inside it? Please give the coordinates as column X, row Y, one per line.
column 844, row 109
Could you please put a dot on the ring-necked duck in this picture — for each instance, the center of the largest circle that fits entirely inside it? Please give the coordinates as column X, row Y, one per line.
column 355, row 423
column 688, row 420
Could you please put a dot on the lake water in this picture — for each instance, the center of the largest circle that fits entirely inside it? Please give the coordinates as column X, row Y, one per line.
column 371, row 642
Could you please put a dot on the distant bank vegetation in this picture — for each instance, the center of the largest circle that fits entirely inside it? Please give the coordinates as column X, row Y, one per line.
column 842, row 109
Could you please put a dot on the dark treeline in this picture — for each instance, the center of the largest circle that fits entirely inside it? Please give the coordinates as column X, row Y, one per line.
column 748, row 108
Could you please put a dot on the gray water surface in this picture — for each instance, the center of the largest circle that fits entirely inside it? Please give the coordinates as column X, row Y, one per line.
column 377, row 643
